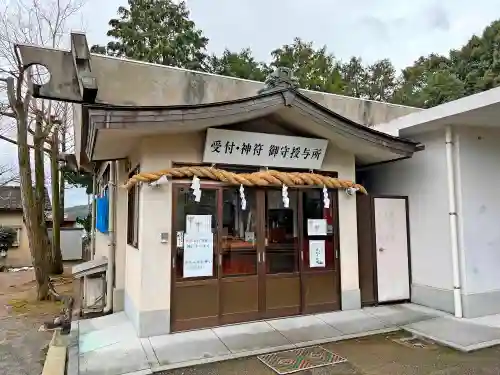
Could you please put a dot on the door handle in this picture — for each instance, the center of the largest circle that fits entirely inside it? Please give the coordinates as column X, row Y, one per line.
column 263, row 257
column 381, row 249
column 220, row 260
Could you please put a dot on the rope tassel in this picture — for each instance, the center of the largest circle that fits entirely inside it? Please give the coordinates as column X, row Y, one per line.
column 262, row 178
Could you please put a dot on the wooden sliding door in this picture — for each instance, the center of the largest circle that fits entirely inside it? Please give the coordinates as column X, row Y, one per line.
column 281, row 254
column 237, row 260
column 239, row 257
column 320, row 266
column 195, row 279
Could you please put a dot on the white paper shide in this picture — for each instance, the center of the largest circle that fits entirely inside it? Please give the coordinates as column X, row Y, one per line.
column 317, row 254
column 199, row 224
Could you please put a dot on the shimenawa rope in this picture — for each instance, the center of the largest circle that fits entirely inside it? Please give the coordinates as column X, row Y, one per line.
column 262, row 178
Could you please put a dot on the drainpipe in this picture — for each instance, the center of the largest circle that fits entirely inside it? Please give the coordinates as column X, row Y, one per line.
column 450, row 167
column 110, row 274
column 93, row 220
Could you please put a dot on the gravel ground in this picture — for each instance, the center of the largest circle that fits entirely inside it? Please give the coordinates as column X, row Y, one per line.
column 375, row 355
column 22, row 345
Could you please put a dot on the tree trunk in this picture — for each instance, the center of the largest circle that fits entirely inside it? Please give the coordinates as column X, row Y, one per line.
column 35, row 236
column 42, row 239
column 56, row 266
column 62, row 181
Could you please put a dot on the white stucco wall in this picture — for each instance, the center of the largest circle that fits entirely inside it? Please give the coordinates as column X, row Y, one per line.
column 133, row 274
column 102, row 240
column 101, row 244
column 423, row 179
column 344, row 163
column 479, row 164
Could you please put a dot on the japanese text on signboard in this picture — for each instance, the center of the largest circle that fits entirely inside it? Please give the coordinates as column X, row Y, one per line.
column 271, row 150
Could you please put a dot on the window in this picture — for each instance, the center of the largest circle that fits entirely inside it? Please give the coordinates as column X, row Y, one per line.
column 103, row 181
column 133, row 212
column 239, row 227
column 282, row 237
column 102, row 199
column 17, row 239
column 185, row 205
column 313, row 208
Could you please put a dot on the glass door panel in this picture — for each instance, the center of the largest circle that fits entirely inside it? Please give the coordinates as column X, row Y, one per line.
column 318, row 224
column 195, row 217
column 281, row 233
column 239, row 233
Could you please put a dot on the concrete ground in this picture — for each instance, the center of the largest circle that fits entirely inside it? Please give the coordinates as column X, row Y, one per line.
column 113, row 337
column 22, row 345
column 374, row 355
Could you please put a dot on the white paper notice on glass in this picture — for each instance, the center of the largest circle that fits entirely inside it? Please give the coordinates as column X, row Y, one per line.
column 317, row 254
column 250, row 237
column 180, row 239
column 199, row 223
column 316, row 227
column 198, row 254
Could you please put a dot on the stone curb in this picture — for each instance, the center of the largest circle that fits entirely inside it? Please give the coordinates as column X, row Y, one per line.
column 73, row 350
column 55, row 362
column 453, row 345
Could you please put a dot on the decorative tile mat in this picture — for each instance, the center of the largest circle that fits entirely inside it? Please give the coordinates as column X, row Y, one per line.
column 295, row 360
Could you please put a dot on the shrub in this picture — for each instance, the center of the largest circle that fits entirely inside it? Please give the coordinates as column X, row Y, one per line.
column 7, row 237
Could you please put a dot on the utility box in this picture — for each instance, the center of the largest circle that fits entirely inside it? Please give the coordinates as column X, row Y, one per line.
column 90, row 278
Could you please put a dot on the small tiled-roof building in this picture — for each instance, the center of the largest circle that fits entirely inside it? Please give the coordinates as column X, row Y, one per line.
column 10, row 199
column 11, row 215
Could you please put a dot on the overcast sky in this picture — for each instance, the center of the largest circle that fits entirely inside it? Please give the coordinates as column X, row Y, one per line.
column 401, row 30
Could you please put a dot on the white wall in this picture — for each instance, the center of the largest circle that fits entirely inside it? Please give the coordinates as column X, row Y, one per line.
column 71, row 243
column 101, row 244
column 155, row 214
column 121, row 237
column 423, row 179
column 479, row 162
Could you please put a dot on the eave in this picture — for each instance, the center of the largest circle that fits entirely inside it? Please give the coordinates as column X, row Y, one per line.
column 287, row 104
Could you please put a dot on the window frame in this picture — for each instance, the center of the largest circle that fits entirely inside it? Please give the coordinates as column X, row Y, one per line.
column 17, row 242
column 133, row 211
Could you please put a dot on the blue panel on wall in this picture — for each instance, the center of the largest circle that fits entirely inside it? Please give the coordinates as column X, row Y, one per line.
column 102, row 213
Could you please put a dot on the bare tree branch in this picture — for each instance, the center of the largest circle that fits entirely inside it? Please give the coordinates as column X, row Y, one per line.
column 12, row 141
column 41, row 22
column 8, row 175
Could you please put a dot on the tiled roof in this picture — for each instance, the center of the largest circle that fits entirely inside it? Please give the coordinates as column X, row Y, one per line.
column 10, row 199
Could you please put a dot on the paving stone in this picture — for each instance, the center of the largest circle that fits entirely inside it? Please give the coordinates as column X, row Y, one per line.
column 459, row 334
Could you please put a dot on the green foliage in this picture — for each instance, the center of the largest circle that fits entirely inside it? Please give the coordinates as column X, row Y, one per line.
column 238, row 64
column 157, row 31
column 7, row 237
column 78, row 179
column 315, row 69
column 354, row 77
column 160, row 31
column 85, row 222
column 436, row 79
